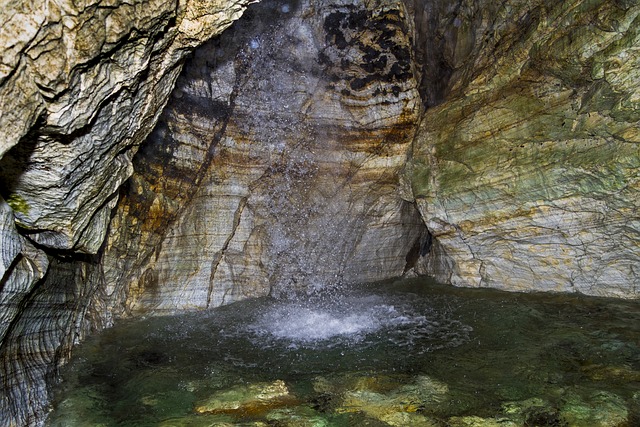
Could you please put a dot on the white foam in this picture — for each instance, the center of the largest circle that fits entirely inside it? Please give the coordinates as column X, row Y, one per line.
column 353, row 320
column 254, row 44
column 305, row 324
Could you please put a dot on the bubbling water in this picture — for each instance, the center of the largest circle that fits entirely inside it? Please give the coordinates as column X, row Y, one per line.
column 307, row 325
column 356, row 320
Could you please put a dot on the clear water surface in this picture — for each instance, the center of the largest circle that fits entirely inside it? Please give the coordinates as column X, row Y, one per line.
column 407, row 352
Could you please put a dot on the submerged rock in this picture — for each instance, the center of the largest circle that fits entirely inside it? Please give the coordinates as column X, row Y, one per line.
column 82, row 407
column 475, row 421
column 603, row 373
column 395, row 400
column 252, row 399
column 208, row 421
column 534, row 411
column 299, row 416
column 600, row 409
column 571, row 409
column 201, row 420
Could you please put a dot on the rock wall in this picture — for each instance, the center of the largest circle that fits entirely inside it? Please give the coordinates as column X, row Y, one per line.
column 527, row 169
column 274, row 167
column 81, row 85
column 263, row 178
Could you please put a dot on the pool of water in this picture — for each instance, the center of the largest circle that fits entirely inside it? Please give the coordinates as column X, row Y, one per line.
column 403, row 353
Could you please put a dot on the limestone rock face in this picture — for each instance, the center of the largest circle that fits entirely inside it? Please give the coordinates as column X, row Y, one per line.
column 21, row 266
column 66, row 81
column 275, row 165
column 527, row 172
column 81, row 85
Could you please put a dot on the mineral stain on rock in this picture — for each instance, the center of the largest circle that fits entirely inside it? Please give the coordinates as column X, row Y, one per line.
column 271, row 191
column 381, row 55
column 515, row 123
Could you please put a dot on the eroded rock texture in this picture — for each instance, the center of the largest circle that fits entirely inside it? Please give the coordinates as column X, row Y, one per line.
column 81, row 85
column 275, row 165
column 527, row 171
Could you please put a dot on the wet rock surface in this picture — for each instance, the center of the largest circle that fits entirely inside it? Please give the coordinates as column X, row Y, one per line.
column 274, row 167
column 395, row 401
column 250, row 399
column 524, row 167
column 526, row 173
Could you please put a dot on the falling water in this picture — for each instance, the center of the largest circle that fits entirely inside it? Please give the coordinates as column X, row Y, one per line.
column 317, row 352
column 326, row 160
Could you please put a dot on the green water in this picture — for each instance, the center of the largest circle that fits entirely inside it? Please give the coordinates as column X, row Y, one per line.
column 409, row 352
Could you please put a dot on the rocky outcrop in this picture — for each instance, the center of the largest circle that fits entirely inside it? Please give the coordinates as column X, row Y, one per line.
column 257, row 174
column 527, row 171
column 275, row 165
column 81, row 85
column 81, row 71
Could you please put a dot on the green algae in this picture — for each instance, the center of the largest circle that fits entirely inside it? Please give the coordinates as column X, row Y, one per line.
column 558, row 127
column 524, row 168
column 18, row 204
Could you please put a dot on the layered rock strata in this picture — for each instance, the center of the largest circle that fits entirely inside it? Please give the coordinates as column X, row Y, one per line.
column 527, row 173
column 81, row 85
column 275, row 165
column 524, row 168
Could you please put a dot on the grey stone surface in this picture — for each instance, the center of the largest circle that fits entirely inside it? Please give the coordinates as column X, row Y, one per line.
column 275, row 165
column 81, row 86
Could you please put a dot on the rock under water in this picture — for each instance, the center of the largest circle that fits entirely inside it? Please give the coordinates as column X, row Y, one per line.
column 276, row 164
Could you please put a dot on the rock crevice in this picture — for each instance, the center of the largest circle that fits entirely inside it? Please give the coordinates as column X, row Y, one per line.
column 280, row 161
